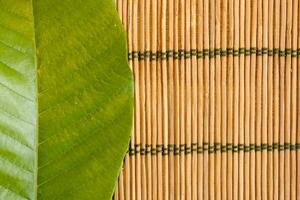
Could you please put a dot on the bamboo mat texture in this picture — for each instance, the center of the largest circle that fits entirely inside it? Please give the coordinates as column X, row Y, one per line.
column 217, row 99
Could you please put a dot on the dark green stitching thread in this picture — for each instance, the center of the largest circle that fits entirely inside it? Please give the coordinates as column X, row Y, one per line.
column 205, row 52
column 170, row 54
column 292, row 147
column 153, row 56
column 182, row 148
column 241, row 147
column 258, row 148
column 159, row 148
column 147, row 54
column 242, row 50
column 270, row 52
column 205, row 146
column 211, row 53
column 236, row 52
column 281, row 147
column 176, row 151
column 276, row 51
column 194, row 52
column 199, row 149
column 264, row 51
column 264, row 147
column 171, row 147
column 194, row 147
column 163, row 55
column 153, row 150
column 165, row 151
column 282, row 53
column 258, row 52
column 223, row 52
column 211, row 149
column 148, row 149
column 187, row 150
column 229, row 51
column 229, row 147
column 235, row 148
column 217, row 147
column 181, row 53
column 247, row 52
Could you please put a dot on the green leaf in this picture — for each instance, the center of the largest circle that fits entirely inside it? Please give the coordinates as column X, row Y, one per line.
column 65, row 99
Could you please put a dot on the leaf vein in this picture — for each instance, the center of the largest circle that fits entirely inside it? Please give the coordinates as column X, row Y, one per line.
column 17, row 93
column 14, row 116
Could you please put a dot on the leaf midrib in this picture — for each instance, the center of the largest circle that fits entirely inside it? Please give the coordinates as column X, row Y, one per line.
column 36, row 105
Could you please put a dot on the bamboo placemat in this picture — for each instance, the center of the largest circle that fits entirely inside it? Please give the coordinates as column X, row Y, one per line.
column 217, row 93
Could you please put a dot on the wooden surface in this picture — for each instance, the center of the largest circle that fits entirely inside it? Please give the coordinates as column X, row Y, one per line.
column 217, row 99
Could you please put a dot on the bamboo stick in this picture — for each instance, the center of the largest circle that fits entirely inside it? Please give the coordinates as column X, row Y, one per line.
column 137, row 128
column 127, row 177
column 252, row 99
column 258, row 106
column 164, row 99
column 294, row 100
column 176, row 102
column 200, row 101
column 241, row 98
column 124, row 17
column 141, row 48
column 159, row 104
column 224, row 14
column 276, row 99
column 188, row 100
column 206, row 99
column 218, row 97
column 194, row 91
column 121, row 184
column 247, row 140
column 211, row 119
column 182, row 97
column 230, row 101
column 287, row 122
column 282, row 100
column 154, row 96
column 116, row 194
column 298, row 112
column 236, row 84
column 171, row 98
column 270, row 88
column 148, row 98
column 264, row 129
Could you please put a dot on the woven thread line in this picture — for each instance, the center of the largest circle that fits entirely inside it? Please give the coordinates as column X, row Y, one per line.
column 188, row 149
column 211, row 53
